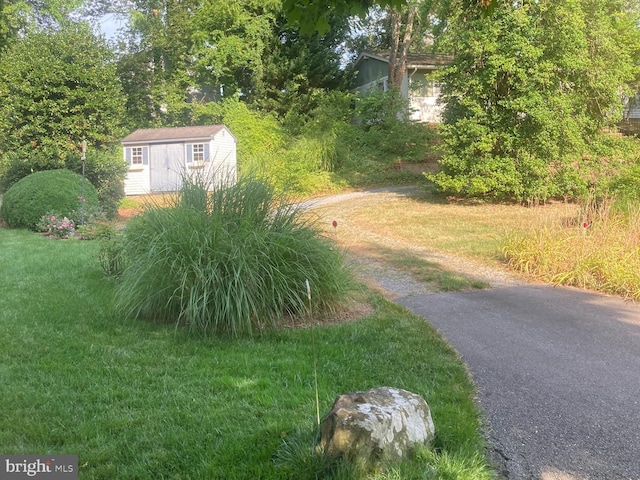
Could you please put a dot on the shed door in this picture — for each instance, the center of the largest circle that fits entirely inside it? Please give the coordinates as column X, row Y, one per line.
column 167, row 165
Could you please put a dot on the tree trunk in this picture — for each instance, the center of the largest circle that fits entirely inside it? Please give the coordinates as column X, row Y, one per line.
column 398, row 56
column 396, row 18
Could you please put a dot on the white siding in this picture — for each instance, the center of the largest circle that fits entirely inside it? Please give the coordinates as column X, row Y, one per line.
column 632, row 107
column 223, row 156
column 426, row 109
column 137, row 181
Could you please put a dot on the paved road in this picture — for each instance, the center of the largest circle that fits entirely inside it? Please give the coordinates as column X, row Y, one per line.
column 558, row 373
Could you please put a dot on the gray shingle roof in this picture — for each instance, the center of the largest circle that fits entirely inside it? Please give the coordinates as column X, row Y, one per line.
column 176, row 133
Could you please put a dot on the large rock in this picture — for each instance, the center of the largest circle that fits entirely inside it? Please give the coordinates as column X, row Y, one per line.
column 376, row 426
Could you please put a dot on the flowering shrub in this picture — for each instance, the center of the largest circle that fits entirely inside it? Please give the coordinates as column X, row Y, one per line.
column 56, row 227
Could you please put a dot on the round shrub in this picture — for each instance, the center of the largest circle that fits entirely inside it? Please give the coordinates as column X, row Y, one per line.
column 56, row 192
column 231, row 261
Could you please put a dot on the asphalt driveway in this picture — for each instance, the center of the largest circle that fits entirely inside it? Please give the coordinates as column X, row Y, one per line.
column 557, row 369
column 558, row 374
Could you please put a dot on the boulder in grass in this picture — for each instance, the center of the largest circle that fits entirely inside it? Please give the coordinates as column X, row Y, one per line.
column 376, row 426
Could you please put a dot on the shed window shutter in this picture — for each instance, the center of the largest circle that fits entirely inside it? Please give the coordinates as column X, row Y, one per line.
column 127, row 155
column 189, row 153
column 206, row 152
column 145, row 155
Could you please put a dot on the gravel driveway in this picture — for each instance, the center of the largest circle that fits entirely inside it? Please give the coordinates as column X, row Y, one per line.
column 557, row 369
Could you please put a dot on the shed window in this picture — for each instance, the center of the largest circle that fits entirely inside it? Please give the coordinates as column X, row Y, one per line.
column 137, row 155
column 197, row 152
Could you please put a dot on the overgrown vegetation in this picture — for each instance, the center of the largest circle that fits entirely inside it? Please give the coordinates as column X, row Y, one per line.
column 132, row 399
column 526, row 97
column 331, row 150
column 232, row 261
column 51, row 192
column 599, row 249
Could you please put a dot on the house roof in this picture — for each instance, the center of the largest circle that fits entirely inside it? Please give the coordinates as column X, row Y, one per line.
column 150, row 135
column 414, row 60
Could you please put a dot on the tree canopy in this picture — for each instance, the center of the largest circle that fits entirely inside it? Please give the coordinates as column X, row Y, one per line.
column 528, row 92
column 57, row 87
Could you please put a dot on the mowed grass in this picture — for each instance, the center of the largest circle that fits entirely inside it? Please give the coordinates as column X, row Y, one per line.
column 138, row 400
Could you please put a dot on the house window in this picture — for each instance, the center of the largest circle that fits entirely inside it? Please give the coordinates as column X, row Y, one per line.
column 197, row 152
column 137, row 156
column 425, row 88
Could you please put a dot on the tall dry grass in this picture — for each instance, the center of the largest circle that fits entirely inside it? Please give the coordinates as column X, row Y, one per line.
column 598, row 250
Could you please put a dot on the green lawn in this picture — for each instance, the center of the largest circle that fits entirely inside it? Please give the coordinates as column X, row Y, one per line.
column 140, row 400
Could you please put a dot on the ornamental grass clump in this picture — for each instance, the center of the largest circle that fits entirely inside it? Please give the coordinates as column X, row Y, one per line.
column 233, row 260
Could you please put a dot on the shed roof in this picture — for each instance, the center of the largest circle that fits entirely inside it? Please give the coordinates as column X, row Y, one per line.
column 414, row 60
column 175, row 134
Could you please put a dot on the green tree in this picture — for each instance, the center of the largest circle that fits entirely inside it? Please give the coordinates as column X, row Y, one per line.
column 299, row 70
column 156, row 64
column 57, row 87
column 181, row 55
column 17, row 15
column 528, row 92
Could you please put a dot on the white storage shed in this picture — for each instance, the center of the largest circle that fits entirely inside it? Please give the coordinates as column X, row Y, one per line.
column 159, row 158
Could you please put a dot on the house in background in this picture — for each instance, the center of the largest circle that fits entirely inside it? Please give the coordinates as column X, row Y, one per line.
column 158, row 158
column 373, row 73
column 630, row 123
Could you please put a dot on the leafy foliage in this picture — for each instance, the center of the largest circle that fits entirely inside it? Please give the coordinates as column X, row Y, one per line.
column 49, row 106
column 526, row 95
column 310, row 16
column 56, row 192
column 20, row 16
column 383, row 133
column 230, row 261
column 193, row 53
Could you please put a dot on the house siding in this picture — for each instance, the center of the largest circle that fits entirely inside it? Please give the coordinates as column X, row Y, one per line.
column 223, row 158
column 370, row 73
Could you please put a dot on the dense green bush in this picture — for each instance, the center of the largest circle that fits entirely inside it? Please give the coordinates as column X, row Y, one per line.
column 345, row 139
column 56, row 192
column 232, row 261
column 104, row 169
column 384, row 132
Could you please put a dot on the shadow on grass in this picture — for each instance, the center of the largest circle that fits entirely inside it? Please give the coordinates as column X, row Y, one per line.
column 430, row 273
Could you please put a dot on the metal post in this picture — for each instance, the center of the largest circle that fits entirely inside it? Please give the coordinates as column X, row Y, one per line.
column 83, row 158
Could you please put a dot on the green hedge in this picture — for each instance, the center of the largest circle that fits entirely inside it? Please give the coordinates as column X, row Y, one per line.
column 57, row 192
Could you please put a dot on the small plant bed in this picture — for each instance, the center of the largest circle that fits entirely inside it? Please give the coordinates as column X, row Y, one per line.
column 141, row 400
